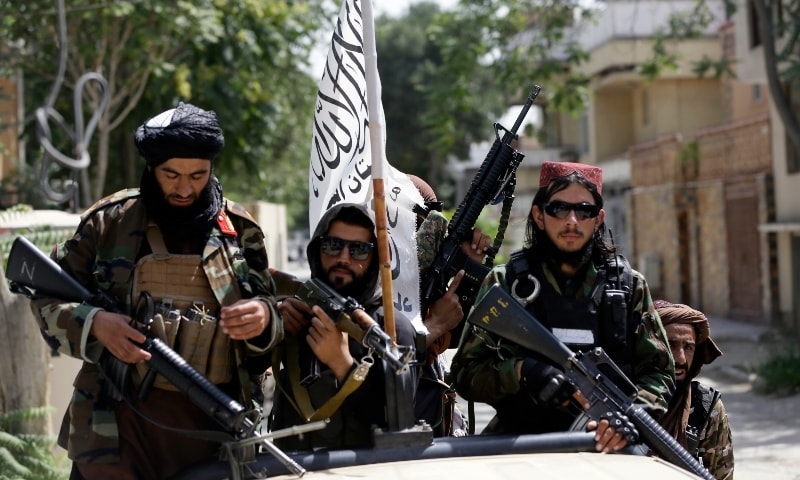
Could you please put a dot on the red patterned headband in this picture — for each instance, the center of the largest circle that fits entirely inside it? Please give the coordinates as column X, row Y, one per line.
column 553, row 170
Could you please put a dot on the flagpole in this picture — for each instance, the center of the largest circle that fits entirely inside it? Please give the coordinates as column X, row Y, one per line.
column 377, row 151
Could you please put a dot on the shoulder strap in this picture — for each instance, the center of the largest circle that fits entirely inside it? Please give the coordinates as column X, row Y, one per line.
column 517, row 266
column 704, row 398
column 300, row 399
column 620, row 274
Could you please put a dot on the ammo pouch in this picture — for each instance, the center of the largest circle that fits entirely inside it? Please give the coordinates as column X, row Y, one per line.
column 185, row 316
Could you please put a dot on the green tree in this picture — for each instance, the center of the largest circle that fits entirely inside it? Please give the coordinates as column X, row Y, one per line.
column 448, row 75
column 243, row 58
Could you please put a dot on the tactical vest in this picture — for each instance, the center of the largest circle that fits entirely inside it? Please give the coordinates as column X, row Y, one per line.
column 703, row 400
column 186, row 313
column 599, row 319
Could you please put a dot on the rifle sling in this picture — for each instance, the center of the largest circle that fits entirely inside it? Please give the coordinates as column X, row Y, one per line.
column 300, row 399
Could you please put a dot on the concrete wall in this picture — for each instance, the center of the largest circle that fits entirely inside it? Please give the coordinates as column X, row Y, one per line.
column 272, row 219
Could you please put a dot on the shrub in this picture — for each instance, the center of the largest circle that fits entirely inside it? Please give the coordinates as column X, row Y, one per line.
column 27, row 456
column 781, row 372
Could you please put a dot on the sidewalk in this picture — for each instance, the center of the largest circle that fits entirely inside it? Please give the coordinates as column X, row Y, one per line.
column 744, row 346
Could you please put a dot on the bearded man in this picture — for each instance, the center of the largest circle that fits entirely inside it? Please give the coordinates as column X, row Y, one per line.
column 588, row 297
column 696, row 417
column 322, row 372
column 202, row 262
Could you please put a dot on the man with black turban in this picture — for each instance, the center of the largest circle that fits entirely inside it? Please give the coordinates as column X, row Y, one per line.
column 202, row 261
column 696, row 416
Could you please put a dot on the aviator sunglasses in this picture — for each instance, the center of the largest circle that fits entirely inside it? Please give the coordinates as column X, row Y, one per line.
column 333, row 246
column 559, row 209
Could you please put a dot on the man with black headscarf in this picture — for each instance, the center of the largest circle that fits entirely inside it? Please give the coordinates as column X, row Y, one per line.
column 696, row 416
column 570, row 277
column 202, row 260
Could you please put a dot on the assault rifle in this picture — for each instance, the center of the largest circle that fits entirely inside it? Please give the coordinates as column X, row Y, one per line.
column 495, row 181
column 33, row 274
column 588, row 372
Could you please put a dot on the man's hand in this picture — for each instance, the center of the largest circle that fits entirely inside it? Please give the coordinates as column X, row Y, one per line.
column 445, row 313
column 244, row 319
column 296, row 315
column 114, row 331
column 477, row 247
column 329, row 344
column 607, row 439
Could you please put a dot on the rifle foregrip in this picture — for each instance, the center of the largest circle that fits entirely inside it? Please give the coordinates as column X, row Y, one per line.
column 225, row 410
column 664, row 444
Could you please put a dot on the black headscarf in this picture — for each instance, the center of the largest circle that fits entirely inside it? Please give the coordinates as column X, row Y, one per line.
column 182, row 132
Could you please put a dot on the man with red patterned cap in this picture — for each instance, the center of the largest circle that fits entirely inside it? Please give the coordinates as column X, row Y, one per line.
column 696, row 416
column 571, row 278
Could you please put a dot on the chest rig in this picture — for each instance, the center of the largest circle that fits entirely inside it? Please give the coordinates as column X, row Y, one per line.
column 598, row 319
column 186, row 312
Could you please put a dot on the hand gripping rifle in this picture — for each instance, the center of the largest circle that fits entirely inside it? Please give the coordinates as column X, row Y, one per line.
column 33, row 274
column 588, row 372
column 494, row 182
column 350, row 317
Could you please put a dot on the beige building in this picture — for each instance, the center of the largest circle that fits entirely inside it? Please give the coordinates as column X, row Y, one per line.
column 700, row 158
column 781, row 230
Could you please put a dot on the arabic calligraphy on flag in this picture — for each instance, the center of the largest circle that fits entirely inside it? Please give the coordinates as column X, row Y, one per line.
column 340, row 168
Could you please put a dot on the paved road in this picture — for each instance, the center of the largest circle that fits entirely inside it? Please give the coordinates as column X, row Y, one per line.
column 766, row 428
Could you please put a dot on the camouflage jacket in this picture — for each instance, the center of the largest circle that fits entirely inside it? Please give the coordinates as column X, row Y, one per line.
column 102, row 255
column 484, row 367
column 716, row 447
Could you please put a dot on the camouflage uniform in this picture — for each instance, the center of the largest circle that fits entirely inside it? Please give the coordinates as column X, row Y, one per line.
column 484, row 367
column 716, row 447
column 435, row 399
column 102, row 255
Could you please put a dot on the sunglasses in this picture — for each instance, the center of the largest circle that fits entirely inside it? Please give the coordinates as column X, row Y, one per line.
column 333, row 246
column 583, row 211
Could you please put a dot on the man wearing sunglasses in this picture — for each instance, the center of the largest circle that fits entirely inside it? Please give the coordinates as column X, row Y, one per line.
column 589, row 297
column 343, row 254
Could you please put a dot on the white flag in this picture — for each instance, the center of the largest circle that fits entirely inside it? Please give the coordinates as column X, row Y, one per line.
column 341, row 163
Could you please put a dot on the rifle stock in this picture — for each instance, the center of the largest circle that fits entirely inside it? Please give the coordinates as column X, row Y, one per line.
column 496, row 179
column 589, row 372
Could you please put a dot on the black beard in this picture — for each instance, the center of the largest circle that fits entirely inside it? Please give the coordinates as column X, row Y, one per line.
column 546, row 250
column 356, row 289
column 192, row 223
column 681, row 384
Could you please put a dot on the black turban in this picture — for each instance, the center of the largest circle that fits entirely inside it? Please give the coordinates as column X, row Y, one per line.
column 183, row 132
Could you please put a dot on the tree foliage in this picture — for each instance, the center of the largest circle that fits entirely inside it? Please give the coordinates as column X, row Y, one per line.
column 448, row 75
column 245, row 59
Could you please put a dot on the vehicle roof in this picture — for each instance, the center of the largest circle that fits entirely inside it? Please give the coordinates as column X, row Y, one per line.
column 556, row 455
column 559, row 466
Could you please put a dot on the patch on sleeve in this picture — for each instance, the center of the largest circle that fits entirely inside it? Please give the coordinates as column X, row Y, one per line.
column 224, row 224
